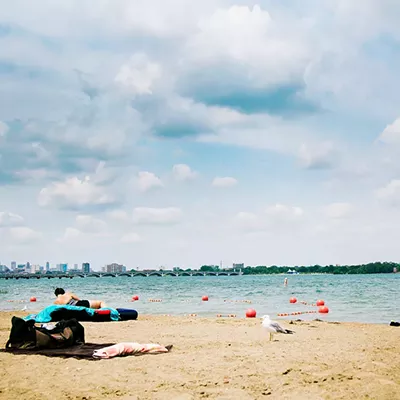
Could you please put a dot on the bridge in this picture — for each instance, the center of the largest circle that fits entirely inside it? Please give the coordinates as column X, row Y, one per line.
column 126, row 274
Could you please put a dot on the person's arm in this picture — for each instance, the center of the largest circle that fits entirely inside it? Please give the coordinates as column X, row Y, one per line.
column 74, row 296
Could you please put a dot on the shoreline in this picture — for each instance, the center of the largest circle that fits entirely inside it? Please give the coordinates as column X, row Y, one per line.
column 283, row 320
column 215, row 358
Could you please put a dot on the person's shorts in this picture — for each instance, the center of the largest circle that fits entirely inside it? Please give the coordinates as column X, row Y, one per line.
column 83, row 303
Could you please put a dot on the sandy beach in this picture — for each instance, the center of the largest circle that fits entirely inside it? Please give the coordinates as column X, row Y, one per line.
column 215, row 358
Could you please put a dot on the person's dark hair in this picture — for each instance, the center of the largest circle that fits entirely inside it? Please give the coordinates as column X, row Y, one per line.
column 59, row 291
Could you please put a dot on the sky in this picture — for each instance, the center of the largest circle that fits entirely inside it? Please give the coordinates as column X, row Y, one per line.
column 178, row 133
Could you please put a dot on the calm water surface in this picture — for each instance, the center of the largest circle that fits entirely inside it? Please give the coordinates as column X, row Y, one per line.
column 362, row 298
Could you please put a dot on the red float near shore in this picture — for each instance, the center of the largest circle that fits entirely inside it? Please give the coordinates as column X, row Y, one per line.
column 251, row 313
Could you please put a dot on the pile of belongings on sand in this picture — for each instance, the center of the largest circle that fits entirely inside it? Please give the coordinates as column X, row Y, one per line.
column 66, row 338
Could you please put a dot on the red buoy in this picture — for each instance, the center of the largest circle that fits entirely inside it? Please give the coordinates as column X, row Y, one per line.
column 320, row 303
column 293, row 300
column 323, row 310
column 251, row 313
column 135, row 297
column 32, row 299
column 204, row 298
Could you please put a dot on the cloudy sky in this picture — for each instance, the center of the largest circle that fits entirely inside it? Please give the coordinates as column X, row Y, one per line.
column 182, row 133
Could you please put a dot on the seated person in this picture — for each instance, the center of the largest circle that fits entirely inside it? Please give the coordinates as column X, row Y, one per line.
column 67, row 298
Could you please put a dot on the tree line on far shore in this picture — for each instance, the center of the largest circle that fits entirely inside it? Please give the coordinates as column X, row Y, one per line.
column 371, row 268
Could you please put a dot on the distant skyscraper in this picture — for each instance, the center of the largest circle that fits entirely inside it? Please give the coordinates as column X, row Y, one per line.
column 86, row 268
column 13, row 265
column 115, row 268
column 64, row 268
column 47, row 266
column 34, row 268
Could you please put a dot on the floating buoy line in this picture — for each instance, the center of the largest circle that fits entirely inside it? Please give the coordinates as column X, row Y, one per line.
column 249, row 313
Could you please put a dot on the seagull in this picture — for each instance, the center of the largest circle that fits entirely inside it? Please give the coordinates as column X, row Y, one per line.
column 273, row 327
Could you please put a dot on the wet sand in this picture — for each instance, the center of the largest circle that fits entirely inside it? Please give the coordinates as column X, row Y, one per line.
column 215, row 358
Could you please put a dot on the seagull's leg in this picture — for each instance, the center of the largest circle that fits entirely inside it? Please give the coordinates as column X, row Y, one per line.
column 270, row 336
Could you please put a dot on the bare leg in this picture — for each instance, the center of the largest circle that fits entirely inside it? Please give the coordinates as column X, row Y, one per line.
column 96, row 304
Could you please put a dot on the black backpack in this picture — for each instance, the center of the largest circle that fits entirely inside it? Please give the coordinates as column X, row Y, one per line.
column 25, row 335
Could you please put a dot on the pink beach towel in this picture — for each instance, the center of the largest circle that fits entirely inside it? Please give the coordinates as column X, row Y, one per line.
column 124, row 349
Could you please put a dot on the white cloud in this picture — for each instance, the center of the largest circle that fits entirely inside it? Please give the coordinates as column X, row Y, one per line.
column 106, row 125
column 119, row 215
column 182, row 172
column 391, row 134
column 269, row 52
column 224, row 182
column 86, row 228
column 89, row 224
column 338, row 210
column 71, row 234
column 261, row 132
column 32, row 175
column 74, row 193
column 248, row 221
column 147, row 180
column 8, row 219
column 364, row 23
column 3, row 128
column 157, row 216
column 275, row 218
column 319, row 156
column 110, row 20
column 40, row 151
column 283, row 212
column 132, row 237
column 24, row 235
column 390, row 193
column 139, row 74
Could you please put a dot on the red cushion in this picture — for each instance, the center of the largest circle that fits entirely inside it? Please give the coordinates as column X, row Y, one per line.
column 103, row 312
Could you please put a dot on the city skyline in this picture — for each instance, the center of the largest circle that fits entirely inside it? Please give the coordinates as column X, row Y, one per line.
column 32, row 267
column 87, row 267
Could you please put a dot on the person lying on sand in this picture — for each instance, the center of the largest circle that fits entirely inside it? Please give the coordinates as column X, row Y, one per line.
column 67, row 298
